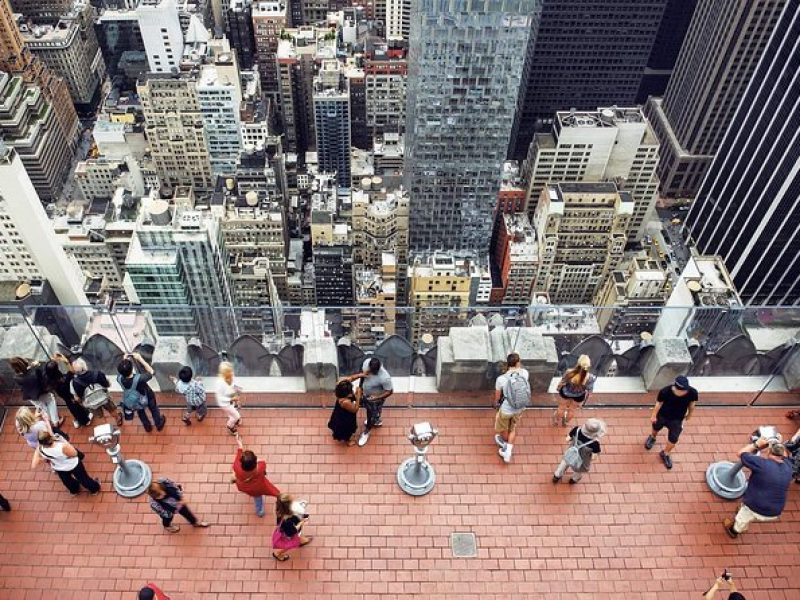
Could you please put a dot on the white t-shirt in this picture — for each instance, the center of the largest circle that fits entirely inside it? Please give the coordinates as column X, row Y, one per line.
column 58, row 460
column 225, row 392
column 500, row 383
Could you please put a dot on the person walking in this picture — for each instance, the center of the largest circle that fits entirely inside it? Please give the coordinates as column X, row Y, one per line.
column 288, row 532
column 193, row 392
column 344, row 422
column 66, row 461
column 166, row 499
column 584, row 444
column 30, row 424
column 574, row 389
column 151, row 592
column 58, row 382
column 376, row 387
column 91, row 388
column 29, row 376
column 674, row 405
column 250, row 477
column 765, row 496
column 137, row 394
column 512, row 395
column 227, row 393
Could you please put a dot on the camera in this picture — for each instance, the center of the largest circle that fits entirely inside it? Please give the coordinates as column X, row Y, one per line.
column 726, row 575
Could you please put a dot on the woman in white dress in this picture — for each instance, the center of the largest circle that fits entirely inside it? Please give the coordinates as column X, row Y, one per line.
column 227, row 393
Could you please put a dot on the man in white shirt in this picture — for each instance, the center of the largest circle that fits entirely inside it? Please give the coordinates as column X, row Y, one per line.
column 376, row 384
column 509, row 395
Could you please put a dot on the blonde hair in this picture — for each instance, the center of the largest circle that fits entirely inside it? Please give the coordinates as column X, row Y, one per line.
column 283, row 506
column 25, row 419
column 580, row 372
column 225, row 367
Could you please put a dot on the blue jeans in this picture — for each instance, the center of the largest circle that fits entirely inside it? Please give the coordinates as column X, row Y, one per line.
column 259, row 502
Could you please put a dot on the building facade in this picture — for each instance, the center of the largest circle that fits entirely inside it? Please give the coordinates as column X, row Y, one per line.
column 332, row 121
column 607, row 144
column 162, row 34
column 270, row 18
column 398, row 19
column 585, row 55
column 581, row 230
column 239, row 31
column 748, row 208
column 465, row 67
column 726, row 39
column 385, row 75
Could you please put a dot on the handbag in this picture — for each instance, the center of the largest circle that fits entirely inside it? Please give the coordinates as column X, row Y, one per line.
column 572, row 391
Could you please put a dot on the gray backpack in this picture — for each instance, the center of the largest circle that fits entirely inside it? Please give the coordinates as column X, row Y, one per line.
column 573, row 455
column 517, row 391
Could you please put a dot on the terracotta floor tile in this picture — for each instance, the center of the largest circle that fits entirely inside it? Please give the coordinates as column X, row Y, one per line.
column 630, row 528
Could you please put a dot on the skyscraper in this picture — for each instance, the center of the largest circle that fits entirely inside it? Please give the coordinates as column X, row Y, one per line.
column 398, row 19
column 270, row 18
column 162, row 34
column 332, row 121
column 586, row 54
column 664, row 55
column 465, row 66
column 748, row 207
column 726, row 39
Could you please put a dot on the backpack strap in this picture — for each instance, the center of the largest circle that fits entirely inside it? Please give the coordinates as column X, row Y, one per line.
column 575, row 441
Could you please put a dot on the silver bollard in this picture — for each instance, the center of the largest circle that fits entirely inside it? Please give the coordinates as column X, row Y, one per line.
column 416, row 476
column 726, row 479
column 131, row 477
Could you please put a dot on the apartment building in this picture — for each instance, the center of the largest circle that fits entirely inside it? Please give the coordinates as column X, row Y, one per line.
column 385, row 72
column 270, row 18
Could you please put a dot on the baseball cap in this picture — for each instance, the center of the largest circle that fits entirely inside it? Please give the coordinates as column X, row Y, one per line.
column 681, row 382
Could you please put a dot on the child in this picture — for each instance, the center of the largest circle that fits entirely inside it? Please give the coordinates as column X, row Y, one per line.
column 166, row 499
column 288, row 532
column 228, row 396
column 194, row 392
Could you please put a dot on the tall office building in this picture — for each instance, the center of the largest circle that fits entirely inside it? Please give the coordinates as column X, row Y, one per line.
column 464, row 74
column 357, row 85
column 162, row 34
column 398, row 19
column 586, row 54
column 332, row 121
column 16, row 58
column 239, row 30
column 608, row 144
column 44, row 11
column 175, row 130
column 726, row 40
column 581, row 229
column 748, row 207
column 28, row 246
column 70, row 49
column 270, row 18
column 664, row 55
column 122, row 46
column 28, row 124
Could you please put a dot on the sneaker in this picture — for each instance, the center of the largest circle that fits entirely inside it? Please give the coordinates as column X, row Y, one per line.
column 649, row 442
column 76, row 425
column 148, row 428
column 378, row 423
column 98, row 489
column 556, row 479
column 186, row 421
column 91, row 418
column 728, row 524
column 499, row 441
column 160, row 426
column 362, row 441
column 201, row 524
column 572, row 482
column 666, row 458
column 505, row 455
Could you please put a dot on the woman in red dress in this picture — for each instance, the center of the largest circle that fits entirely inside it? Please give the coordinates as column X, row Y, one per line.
column 250, row 477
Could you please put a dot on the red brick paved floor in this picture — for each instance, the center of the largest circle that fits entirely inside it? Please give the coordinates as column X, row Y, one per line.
column 630, row 529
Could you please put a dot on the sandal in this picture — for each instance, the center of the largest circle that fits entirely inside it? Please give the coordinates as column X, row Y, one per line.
column 281, row 558
column 173, row 528
column 200, row 524
column 309, row 539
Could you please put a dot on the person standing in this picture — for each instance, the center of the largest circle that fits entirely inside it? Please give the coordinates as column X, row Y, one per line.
column 66, row 461
column 574, row 389
column 91, row 388
column 227, row 393
column 512, row 395
column 29, row 376
column 166, row 499
column 674, row 405
column 725, row 580
column 193, row 392
column 137, row 394
column 288, row 532
column 765, row 496
column 58, row 382
column 376, row 387
column 584, row 444
column 343, row 422
column 250, row 477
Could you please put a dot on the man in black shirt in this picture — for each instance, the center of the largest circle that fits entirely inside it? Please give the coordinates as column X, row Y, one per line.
column 675, row 403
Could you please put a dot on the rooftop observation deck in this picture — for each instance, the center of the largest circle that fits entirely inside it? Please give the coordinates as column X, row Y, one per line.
column 630, row 529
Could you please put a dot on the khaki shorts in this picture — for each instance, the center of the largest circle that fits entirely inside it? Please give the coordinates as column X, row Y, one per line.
column 505, row 422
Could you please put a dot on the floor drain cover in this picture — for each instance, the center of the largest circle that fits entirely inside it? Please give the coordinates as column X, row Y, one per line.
column 463, row 545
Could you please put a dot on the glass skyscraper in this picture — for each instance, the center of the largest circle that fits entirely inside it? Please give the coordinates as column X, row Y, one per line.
column 465, row 66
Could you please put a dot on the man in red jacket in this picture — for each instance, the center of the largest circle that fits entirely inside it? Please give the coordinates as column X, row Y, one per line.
column 151, row 592
column 250, row 477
